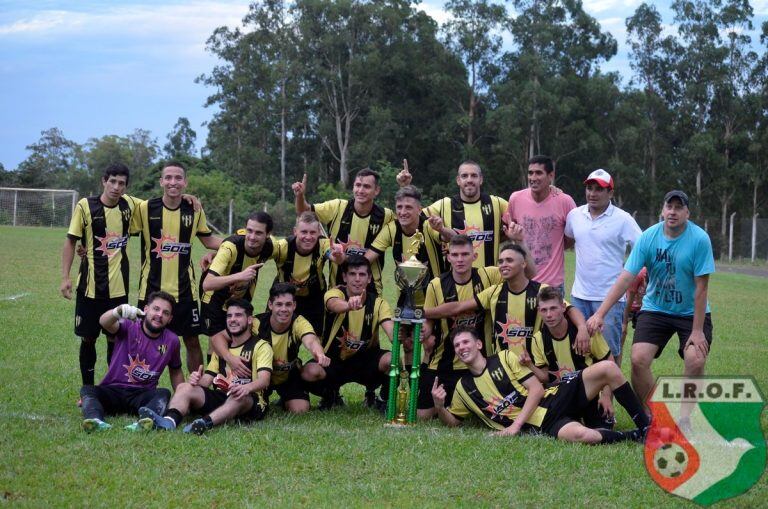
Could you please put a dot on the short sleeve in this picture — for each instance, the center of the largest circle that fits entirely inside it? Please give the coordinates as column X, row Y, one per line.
column 333, row 293
column 384, row 239
column 137, row 221
column 494, row 275
column 202, row 225
column 262, row 361
column 458, row 409
column 598, row 347
column 537, row 347
column 175, row 362
column 384, row 311
column 704, row 261
column 213, row 365
column 280, row 251
column 327, row 210
column 301, row 327
column 77, row 223
column 631, row 231
column 224, row 259
column 483, row 298
column 569, row 224
column 636, row 260
column 430, row 301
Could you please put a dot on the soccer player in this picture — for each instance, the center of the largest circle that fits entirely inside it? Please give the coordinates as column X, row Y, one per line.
column 300, row 259
column 351, row 338
column 286, row 331
column 507, row 397
column 234, row 271
column 554, row 355
column 678, row 256
column 602, row 233
column 512, row 305
column 542, row 214
column 143, row 348
column 352, row 223
column 471, row 212
column 461, row 283
column 101, row 223
column 231, row 396
column 166, row 225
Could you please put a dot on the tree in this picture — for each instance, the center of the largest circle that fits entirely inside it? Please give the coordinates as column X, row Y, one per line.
column 53, row 161
column 181, row 140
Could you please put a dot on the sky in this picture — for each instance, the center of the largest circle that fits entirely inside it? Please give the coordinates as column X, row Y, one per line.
column 96, row 68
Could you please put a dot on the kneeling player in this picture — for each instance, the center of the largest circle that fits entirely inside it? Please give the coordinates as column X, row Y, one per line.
column 143, row 348
column 231, row 396
column 352, row 337
column 507, row 397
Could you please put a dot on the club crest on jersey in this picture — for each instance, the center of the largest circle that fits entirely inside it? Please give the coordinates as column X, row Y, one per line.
column 186, row 220
column 532, row 302
column 162, row 349
column 167, row 248
column 487, row 209
column 374, row 228
column 705, row 443
column 126, row 215
column 111, row 243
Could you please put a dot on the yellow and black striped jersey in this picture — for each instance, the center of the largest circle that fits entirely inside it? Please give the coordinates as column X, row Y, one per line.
column 285, row 345
column 558, row 356
column 354, row 232
column 103, row 231
column 166, row 247
column 515, row 316
column 231, row 258
column 429, row 251
column 444, row 289
column 480, row 220
column 257, row 356
column 305, row 272
column 354, row 331
column 497, row 395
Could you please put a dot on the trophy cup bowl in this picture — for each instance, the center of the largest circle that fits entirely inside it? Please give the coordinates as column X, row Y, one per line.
column 409, row 276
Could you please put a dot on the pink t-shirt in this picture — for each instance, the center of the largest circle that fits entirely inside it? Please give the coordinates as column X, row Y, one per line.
column 543, row 227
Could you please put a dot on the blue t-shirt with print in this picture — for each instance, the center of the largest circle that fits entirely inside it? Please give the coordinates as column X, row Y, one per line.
column 672, row 265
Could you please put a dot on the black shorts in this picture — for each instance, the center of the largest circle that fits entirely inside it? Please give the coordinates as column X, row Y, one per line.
column 448, row 379
column 568, row 404
column 186, row 318
column 215, row 398
column 214, row 318
column 314, row 311
column 88, row 311
column 658, row 329
column 293, row 388
column 362, row 368
column 114, row 400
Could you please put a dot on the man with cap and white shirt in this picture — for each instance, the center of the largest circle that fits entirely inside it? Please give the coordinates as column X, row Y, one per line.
column 678, row 256
column 602, row 233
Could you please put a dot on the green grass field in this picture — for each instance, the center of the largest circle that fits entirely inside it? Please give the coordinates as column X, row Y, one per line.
column 341, row 458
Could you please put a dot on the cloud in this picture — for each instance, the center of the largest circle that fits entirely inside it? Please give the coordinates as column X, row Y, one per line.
column 598, row 6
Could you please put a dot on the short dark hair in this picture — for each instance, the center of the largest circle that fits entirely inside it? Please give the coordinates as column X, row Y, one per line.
column 176, row 163
column 514, row 247
column 355, row 260
column 160, row 294
column 549, row 293
column 470, row 162
column 240, row 303
column 367, row 172
column 460, row 240
column 279, row 289
column 114, row 170
column 263, row 218
column 408, row 192
column 461, row 329
column 546, row 161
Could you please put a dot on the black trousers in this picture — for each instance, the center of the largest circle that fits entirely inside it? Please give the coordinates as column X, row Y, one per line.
column 101, row 400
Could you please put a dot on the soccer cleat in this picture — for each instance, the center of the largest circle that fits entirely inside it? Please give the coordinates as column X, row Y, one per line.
column 91, row 425
column 198, row 427
column 370, row 398
column 148, row 415
column 638, row 435
column 331, row 399
column 145, row 424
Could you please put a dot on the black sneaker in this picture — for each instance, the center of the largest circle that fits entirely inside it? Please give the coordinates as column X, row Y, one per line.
column 638, row 435
column 370, row 398
column 198, row 427
column 331, row 399
column 380, row 405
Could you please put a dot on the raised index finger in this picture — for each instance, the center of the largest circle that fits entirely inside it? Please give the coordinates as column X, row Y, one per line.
column 405, row 165
column 304, row 181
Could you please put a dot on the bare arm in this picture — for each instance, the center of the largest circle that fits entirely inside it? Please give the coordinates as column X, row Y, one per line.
column 213, row 282
column 450, row 309
column 67, row 256
column 535, row 393
column 220, row 345
column 438, row 396
column 312, row 344
column 618, row 289
column 211, row 241
column 177, row 376
column 109, row 322
column 299, row 199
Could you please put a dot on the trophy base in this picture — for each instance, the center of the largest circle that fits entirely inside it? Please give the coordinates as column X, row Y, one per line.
column 408, row 315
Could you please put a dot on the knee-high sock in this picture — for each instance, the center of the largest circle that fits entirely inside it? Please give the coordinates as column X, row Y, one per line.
column 627, row 398
column 87, row 361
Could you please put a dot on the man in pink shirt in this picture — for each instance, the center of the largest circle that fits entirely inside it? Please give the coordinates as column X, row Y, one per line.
column 542, row 215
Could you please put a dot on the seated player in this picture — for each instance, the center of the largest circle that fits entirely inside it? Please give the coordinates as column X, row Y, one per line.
column 231, row 396
column 507, row 397
column 285, row 330
column 512, row 305
column 554, row 355
column 352, row 337
column 143, row 348
column 461, row 283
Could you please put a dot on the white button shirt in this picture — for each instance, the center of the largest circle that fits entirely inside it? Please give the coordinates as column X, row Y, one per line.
column 601, row 244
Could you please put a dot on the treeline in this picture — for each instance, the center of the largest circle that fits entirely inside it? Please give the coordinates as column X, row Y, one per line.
column 327, row 87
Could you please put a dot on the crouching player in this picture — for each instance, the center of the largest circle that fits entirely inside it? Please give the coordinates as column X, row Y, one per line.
column 231, row 396
column 506, row 396
column 143, row 348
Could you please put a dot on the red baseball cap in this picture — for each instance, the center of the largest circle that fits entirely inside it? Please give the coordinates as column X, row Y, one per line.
column 601, row 178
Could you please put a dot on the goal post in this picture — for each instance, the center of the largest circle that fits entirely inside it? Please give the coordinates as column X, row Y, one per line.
column 20, row 206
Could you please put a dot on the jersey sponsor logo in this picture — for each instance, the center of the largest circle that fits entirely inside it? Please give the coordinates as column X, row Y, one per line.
column 137, row 371
column 167, row 248
column 281, row 365
column 350, row 344
column 564, row 373
column 468, row 320
column 111, row 244
column 476, row 234
column 351, row 247
column 500, row 408
column 512, row 332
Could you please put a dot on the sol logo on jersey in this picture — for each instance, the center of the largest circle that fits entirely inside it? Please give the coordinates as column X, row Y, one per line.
column 167, row 248
column 111, row 244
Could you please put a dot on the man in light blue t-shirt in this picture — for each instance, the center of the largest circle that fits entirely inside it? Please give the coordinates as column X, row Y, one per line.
column 679, row 258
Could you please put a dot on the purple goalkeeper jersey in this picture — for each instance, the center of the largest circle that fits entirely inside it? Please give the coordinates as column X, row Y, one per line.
column 138, row 360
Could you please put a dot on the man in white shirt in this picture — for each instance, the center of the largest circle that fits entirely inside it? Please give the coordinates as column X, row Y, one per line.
column 602, row 233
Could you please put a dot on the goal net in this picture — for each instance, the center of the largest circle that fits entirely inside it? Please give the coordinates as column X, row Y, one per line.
column 36, row 207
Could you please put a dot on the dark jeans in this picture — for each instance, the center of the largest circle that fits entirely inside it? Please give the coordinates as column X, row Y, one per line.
column 101, row 400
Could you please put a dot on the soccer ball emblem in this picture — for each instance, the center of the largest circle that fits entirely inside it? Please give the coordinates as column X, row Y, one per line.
column 670, row 460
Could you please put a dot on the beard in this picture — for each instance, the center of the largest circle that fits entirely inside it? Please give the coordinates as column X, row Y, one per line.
column 237, row 330
column 151, row 328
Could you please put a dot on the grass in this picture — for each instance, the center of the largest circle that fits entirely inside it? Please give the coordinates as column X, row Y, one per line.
column 343, row 458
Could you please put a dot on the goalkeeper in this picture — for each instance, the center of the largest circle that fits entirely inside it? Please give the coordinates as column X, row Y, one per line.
column 143, row 348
